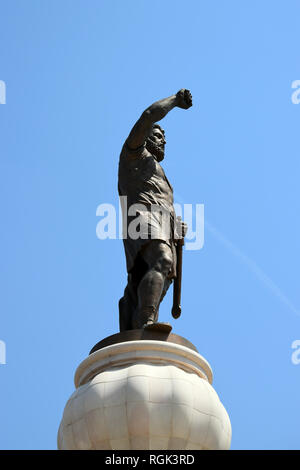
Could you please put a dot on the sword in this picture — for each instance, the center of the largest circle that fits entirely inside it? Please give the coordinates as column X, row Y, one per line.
column 176, row 309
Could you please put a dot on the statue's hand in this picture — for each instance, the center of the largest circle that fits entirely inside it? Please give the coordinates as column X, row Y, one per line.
column 181, row 228
column 184, row 98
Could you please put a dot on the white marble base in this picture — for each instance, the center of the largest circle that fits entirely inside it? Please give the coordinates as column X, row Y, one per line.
column 144, row 395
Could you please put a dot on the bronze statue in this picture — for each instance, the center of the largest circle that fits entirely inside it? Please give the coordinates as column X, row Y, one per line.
column 151, row 257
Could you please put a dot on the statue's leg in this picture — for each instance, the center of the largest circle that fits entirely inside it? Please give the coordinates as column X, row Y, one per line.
column 158, row 256
column 167, row 284
column 128, row 304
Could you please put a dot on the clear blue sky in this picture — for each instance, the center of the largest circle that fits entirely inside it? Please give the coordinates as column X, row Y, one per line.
column 78, row 74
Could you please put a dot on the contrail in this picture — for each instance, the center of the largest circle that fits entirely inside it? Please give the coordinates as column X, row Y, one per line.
column 259, row 273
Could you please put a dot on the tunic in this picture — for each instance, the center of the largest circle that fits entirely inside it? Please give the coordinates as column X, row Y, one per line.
column 143, row 181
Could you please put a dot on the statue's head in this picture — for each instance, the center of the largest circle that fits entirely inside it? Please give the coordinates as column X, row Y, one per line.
column 156, row 142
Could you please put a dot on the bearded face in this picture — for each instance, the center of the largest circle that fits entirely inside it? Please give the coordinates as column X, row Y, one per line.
column 155, row 144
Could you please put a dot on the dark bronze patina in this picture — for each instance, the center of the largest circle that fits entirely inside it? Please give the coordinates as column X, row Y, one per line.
column 154, row 258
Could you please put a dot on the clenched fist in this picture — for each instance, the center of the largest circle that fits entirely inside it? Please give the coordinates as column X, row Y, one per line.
column 181, row 228
column 184, row 99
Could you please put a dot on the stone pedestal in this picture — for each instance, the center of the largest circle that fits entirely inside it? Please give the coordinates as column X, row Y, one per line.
column 144, row 393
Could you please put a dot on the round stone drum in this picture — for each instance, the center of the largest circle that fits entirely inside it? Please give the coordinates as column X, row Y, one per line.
column 153, row 395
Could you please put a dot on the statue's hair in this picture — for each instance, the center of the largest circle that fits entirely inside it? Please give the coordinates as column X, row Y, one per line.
column 157, row 126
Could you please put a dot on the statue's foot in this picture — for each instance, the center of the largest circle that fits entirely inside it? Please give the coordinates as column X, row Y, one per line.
column 157, row 326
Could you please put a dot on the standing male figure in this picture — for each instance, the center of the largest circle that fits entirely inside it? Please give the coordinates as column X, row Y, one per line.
column 150, row 258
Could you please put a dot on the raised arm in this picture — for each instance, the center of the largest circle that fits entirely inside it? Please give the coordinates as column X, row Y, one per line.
column 156, row 112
